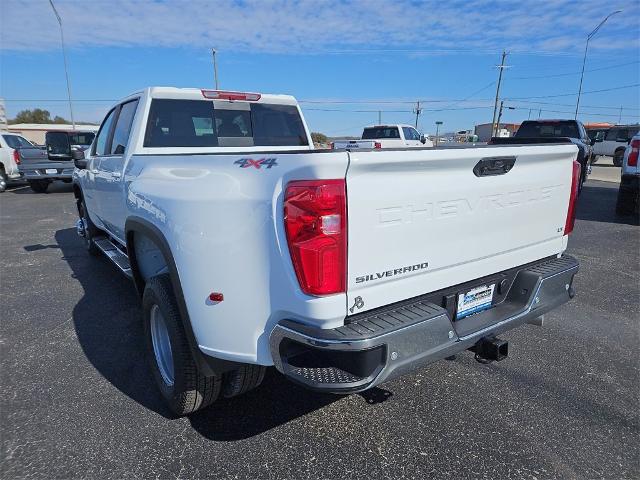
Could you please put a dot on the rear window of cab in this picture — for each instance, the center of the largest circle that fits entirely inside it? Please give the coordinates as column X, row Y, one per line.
column 201, row 123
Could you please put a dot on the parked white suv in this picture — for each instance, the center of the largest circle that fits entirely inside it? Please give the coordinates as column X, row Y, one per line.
column 342, row 269
column 629, row 190
column 614, row 141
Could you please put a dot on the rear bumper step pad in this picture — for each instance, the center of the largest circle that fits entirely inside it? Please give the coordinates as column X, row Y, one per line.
column 390, row 341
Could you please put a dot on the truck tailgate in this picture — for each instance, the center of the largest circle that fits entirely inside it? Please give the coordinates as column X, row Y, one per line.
column 422, row 220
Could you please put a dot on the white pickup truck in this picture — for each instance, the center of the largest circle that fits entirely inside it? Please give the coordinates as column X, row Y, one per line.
column 343, row 269
column 379, row 137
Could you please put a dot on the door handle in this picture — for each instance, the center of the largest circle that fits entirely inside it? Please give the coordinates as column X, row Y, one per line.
column 116, row 175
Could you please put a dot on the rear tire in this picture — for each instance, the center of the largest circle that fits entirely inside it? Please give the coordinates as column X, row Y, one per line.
column 617, row 157
column 39, row 186
column 626, row 204
column 181, row 383
column 241, row 380
column 3, row 180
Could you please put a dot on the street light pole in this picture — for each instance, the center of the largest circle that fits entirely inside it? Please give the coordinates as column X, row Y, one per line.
column 584, row 59
column 64, row 56
column 215, row 68
column 438, row 123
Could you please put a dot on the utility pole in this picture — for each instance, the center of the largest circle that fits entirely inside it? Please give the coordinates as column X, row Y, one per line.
column 539, row 113
column 417, row 111
column 438, row 123
column 500, row 115
column 64, row 57
column 379, row 117
column 501, row 67
column 620, row 117
column 215, row 68
column 529, row 117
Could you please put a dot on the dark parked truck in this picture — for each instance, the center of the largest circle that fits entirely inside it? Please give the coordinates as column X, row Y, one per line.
column 554, row 131
column 41, row 167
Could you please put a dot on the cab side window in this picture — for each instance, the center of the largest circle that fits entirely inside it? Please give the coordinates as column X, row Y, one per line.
column 408, row 133
column 123, row 127
column 101, row 146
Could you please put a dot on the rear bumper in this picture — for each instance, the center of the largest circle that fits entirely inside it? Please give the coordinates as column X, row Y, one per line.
column 38, row 171
column 381, row 344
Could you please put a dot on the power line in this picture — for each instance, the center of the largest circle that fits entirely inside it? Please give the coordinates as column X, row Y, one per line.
column 572, row 94
column 570, row 105
column 577, row 73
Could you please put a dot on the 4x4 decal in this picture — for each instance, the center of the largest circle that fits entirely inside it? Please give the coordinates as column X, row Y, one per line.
column 261, row 162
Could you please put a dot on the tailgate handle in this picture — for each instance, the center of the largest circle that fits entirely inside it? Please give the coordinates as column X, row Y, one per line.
column 491, row 166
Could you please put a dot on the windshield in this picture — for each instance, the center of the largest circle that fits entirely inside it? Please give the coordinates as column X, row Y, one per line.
column 16, row 141
column 81, row 138
column 373, row 133
column 200, row 123
column 548, row 129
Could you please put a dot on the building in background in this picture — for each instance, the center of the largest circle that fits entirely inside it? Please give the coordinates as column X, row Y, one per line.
column 483, row 131
column 3, row 115
column 35, row 132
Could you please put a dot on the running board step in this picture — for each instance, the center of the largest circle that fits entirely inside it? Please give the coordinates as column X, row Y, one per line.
column 113, row 253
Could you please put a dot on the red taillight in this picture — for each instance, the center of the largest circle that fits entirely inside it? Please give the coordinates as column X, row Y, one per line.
column 573, row 197
column 377, row 145
column 16, row 157
column 632, row 159
column 223, row 95
column 315, row 220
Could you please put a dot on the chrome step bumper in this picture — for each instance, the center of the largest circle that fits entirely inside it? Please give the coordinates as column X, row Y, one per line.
column 384, row 343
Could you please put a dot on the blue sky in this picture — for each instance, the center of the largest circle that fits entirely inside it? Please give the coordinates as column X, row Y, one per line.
column 380, row 55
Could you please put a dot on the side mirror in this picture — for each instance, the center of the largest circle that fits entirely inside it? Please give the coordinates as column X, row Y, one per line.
column 593, row 141
column 78, row 159
column 423, row 139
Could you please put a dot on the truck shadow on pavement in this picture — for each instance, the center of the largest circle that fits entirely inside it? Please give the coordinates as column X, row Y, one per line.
column 108, row 328
column 597, row 203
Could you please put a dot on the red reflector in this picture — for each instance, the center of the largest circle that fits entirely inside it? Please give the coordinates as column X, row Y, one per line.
column 573, row 197
column 632, row 159
column 377, row 145
column 216, row 297
column 223, row 95
column 16, row 157
column 315, row 219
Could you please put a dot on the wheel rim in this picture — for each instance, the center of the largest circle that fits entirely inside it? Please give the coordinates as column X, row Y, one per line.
column 85, row 224
column 161, row 345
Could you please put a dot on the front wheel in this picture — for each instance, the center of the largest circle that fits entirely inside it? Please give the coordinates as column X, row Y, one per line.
column 39, row 186
column 87, row 230
column 181, row 383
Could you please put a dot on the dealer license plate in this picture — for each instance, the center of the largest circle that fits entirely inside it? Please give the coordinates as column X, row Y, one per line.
column 475, row 300
column 50, row 171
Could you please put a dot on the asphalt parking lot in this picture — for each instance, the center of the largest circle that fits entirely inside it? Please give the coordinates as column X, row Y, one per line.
column 77, row 399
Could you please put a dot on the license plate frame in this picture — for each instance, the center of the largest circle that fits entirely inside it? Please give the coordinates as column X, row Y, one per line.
column 475, row 300
column 51, row 171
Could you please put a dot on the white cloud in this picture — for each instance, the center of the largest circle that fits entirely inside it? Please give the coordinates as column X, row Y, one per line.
column 320, row 26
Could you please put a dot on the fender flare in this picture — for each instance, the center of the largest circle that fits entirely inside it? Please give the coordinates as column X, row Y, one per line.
column 209, row 365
